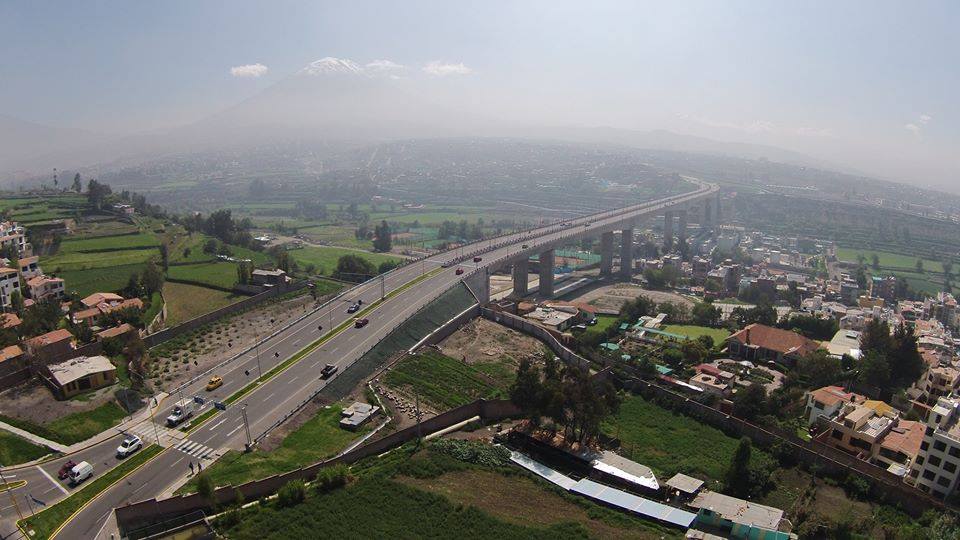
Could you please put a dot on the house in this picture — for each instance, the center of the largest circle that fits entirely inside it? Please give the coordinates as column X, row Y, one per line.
column 12, row 360
column 116, row 331
column 124, row 209
column 935, row 470
column 900, row 447
column 30, row 267
column 684, row 487
column 98, row 298
column 16, row 238
column 356, row 415
column 827, row 401
column 859, row 428
column 42, row 287
column 758, row 342
column 71, row 377
column 557, row 318
column 9, row 282
column 269, row 278
column 744, row 519
column 845, row 342
column 9, row 320
column 51, row 344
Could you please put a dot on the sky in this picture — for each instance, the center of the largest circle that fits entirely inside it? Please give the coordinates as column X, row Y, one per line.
column 870, row 85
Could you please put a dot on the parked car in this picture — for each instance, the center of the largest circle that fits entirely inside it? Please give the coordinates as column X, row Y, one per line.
column 525, row 246
column 130, row 444
column 328, row 371
column 64, row 471
column 80, row 472
column 215, row 382
column 360, row 323
column 459, row 271
column 477, row 259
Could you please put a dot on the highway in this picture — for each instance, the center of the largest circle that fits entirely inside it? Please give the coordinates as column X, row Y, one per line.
column 274, row 398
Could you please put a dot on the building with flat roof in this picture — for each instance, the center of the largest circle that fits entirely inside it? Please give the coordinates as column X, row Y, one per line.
column 71, row 377
column 744, row 519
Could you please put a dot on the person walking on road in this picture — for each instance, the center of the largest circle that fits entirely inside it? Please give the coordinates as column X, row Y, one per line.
column 191, row 468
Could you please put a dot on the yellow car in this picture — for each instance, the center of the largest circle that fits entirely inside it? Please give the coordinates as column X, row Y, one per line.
column 215, row 382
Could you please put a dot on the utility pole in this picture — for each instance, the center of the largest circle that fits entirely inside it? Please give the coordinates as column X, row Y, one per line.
column 246, row 426
column 256, row 335
column 416, row 398
column 383, row 287
column 155, row 432
column 13, row 499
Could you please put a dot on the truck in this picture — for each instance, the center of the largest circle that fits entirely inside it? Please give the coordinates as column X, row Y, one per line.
column 181, row 411
column 328, row 371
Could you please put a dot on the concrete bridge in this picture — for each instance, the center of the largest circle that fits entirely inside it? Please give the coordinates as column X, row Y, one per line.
column 514, row 253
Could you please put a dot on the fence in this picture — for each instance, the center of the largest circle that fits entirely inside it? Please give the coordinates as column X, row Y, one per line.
column 167, row 334
column 142, row 516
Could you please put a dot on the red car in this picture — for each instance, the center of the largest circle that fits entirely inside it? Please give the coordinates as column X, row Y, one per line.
column 360, row 323
column 477, row 259
column 64, row 471
column 459, row 271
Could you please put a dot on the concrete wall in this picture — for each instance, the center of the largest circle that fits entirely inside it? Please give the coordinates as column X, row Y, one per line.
column 143, row 514
column 522, row 325
column 449, row 327
column 164, row 335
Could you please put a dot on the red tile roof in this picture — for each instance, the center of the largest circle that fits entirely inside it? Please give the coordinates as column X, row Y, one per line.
column 775, row 339
column 12, row 351
column 50, row 337
column 9, row 320
column 905, row 437
column 831, row 395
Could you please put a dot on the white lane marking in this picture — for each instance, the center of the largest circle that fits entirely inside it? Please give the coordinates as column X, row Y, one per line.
column 234, row 430
column 6, row 475
column 296, row 342
column 52, row 481
column 105, row 521
column 268, row 397
column 218, row 424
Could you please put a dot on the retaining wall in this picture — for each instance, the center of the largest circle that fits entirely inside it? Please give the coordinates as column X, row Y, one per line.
column 522, row 325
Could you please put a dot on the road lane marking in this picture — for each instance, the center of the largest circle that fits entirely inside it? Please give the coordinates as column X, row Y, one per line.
column 268, row 397
column 234, row 430
column 218, row 424
column 52, row 481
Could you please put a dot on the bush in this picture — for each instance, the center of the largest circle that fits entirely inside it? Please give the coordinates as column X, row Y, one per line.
column 331, row 478
column 291, row 494
column 473, row 452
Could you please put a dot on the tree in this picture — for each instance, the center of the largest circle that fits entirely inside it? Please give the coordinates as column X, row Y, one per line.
column 738, row 479
column 750, row 403
column 244, row 272
column 205, row 488
column 818, row 369
column 875, row 370
column 165, row 256
column 693, row 351
column 876, row 262
column 525, row 392
column 354, row 268
column 919, row 266
column 387, row 266
column 97, row 193
column 706, row 314
column 211, row 246
column 382, row 240
column 906, row 364
column 151, row 279
column 16, row 302
column 42, row 317
column 811, row 326
column 77, row 183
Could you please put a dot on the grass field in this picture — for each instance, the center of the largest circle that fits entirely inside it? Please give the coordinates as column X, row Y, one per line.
column 14, row 450
column 887, row 259
column 76, row 427
column 218, row 274
column 93, row 280
column 693, row 331
column 320, row 437
column 669, row 442
column 441, row 381
column 45, row 523
column 185, row 302
column 109, row 243
column 325, row 258
column 337, row 235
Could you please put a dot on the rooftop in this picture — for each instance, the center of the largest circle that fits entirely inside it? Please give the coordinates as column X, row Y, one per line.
column 905, row 437
column 49, row 338
column 775, row 339
column 99, row 297
column 831, row 395
column 623, row 468
column 685, row 484
column 68, row 371
column 12, row 351
column 739, row 510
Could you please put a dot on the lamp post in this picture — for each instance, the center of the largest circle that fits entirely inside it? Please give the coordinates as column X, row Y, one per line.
column 256, row 335
column 13, row 499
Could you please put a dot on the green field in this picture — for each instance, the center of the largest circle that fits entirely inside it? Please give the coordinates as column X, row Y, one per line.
column 693, row 331
column 325, row 258
column 888, row 260
column 14, row 450
column 185, row 302
column 669, row 442
column 319, row 438
column 109, row 243
column 443, row 382
column 108, row 279
column 337, row 235
column 76, row 427
column 217, row 274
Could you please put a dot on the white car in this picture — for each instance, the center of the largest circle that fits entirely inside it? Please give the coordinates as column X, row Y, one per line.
column 130, row 444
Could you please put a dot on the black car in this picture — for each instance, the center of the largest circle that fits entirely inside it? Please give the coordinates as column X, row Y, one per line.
column 328, row 371
column 353, row 308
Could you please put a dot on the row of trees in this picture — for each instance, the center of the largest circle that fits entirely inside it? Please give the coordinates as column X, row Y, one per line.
column 568, row 397
column 223, row 226
column 890, row 361
column 462, row 230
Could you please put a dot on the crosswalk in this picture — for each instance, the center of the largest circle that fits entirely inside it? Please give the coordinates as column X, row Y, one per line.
column 149, row 433
column 194, row 449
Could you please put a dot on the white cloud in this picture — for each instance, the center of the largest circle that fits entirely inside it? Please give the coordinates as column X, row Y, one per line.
column 441, row 69
column 249, row 70
column 384, row 65
column 912, row 128
column 924, row 118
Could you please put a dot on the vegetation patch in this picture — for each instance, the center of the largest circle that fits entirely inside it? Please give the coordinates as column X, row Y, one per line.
column 186, row 302
column 324, row 259
column 719, row 335
column 14, row 450
column 441, row 381
column 76, row 427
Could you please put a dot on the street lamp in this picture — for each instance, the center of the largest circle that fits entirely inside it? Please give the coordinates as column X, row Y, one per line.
column 9, row 489
column 256, row 335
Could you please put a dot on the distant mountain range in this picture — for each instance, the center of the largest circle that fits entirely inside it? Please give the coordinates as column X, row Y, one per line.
column 328, row 100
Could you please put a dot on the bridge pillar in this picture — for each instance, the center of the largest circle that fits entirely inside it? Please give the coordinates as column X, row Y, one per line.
column 520, row 277
column 626, row 253
column 682, row 225
column 546, row 274
column 716, row 212
column 667, row 231
column 707, row 213
column 606, row 253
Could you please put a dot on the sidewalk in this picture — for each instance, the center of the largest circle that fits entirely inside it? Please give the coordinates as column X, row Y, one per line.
column 138, row 418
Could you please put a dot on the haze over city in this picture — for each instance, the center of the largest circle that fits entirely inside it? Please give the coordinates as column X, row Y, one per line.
column 859, row 86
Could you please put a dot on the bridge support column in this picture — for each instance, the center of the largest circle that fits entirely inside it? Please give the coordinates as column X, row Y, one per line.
column 606, row 253
column 716, row 210
column 520, row 278
column 546, row 274
column 626, row 253
column 668, row 231
column 682, row 225
column 707, row 213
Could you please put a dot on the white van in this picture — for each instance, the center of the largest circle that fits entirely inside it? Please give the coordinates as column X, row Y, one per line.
column 80, row 472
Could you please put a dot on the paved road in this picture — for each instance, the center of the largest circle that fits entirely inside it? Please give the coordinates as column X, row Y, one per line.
column 276, row 397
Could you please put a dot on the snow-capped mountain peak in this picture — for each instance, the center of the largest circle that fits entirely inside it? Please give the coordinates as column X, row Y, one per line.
column 330, row 64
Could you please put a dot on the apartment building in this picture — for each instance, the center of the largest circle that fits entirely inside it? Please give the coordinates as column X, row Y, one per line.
column 43, row 287
column 9, row 282
column 935, row 470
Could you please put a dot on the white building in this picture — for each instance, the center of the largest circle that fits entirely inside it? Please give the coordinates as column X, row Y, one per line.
column 935, row 469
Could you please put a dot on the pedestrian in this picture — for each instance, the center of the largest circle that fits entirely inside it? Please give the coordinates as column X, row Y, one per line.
column 191, row 468
column 199, row 466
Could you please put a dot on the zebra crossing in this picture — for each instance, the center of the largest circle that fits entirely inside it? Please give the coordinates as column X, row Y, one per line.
column 193, row 449
column 149, row 433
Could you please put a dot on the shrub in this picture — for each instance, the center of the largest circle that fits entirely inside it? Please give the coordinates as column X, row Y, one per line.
column 331, row 478
column 473, row 452
column 291, row 494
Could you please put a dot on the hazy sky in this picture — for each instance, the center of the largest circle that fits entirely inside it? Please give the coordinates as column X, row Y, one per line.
column 869, row 84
